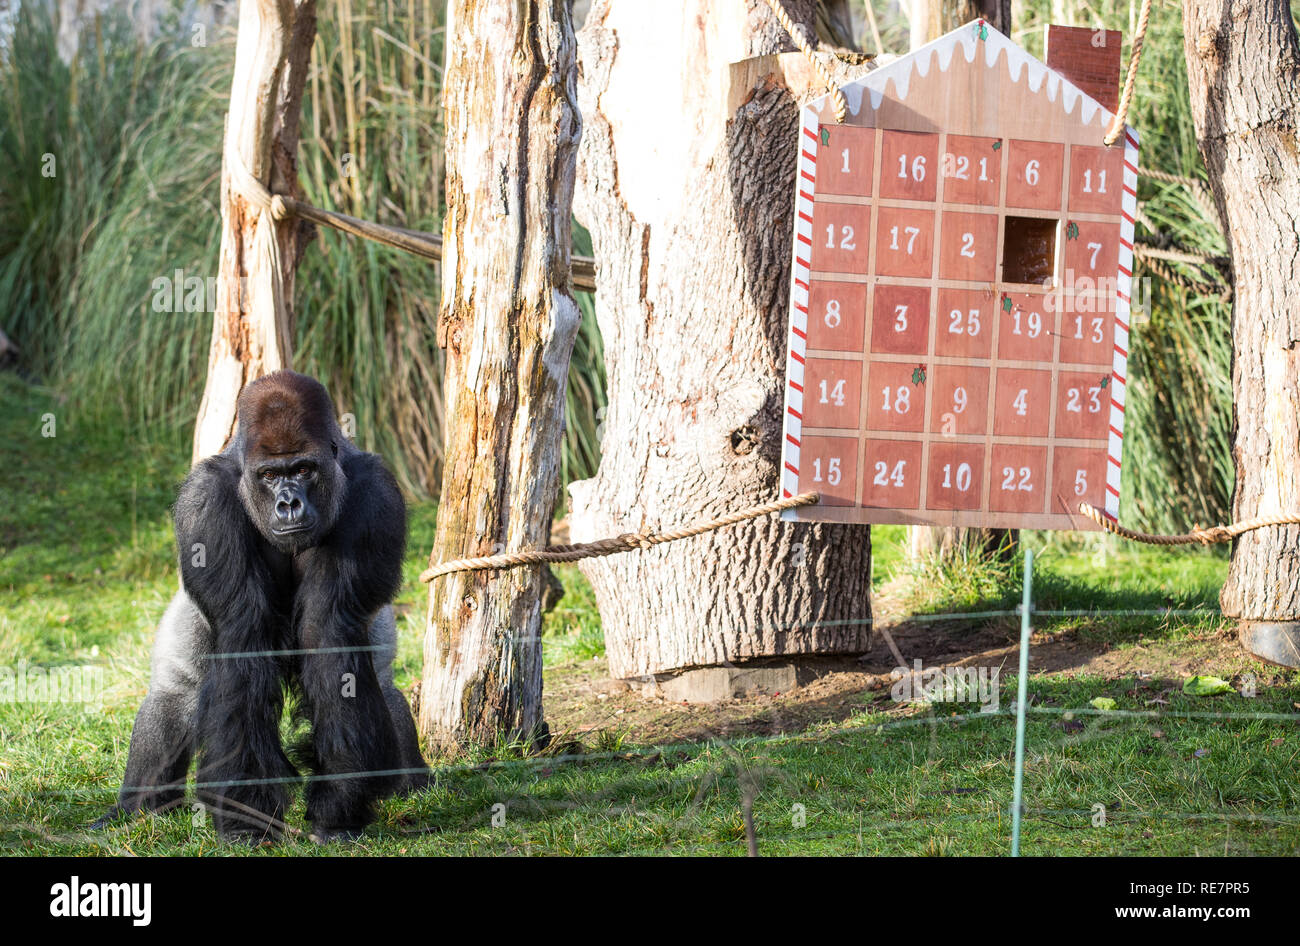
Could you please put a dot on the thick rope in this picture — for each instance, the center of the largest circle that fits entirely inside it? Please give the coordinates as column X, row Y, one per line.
column 1167, row 178
column 1179, row 254
column 1130, row 80
column 622, row 543
column 1221, row 292
column 1196, row 536
column 841, row 105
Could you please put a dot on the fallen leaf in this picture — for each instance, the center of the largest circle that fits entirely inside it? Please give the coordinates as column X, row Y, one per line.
column 1201, row 685
column 1103, row 703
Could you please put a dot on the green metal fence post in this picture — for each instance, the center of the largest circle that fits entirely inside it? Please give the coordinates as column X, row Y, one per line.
column 1021, row 687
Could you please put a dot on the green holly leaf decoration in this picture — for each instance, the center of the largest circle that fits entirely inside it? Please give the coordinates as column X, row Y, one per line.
column 918, row 374
column 997, row 145
column 1105, row 382
column 1072, row 231
column 826, row 136
column 981, row 30
column 1006, row 302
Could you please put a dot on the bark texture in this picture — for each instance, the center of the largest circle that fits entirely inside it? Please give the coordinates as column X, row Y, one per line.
column 1243, row 67
column 253, row 327
column 508, row 321
column 686, row 183
column 934, row 18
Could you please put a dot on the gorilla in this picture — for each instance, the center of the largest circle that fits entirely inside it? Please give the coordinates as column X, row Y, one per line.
column 291, row 543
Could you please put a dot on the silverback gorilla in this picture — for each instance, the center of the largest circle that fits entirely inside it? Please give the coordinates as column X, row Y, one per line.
column 291, row 543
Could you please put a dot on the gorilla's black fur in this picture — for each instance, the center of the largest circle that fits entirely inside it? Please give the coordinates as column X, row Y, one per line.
column 291, row 543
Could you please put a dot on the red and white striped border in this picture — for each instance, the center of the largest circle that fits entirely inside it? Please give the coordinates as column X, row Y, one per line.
column 800, row 286
column 1123, row 318
column 800, row 276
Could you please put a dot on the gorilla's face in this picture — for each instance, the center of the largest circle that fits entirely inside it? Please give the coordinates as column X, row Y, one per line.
column 294, row 498
column 292, row 485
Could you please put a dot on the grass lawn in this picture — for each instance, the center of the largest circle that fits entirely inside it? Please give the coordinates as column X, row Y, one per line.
column 86, row 568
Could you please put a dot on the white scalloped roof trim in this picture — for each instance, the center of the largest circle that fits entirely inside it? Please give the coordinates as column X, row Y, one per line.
column 966, row 39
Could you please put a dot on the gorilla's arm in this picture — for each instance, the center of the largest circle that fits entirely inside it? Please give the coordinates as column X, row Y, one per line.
column 344, row 582
column 162, row 739
column 241, row 763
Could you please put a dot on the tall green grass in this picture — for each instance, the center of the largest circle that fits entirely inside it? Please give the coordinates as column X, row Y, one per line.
column 136, row 132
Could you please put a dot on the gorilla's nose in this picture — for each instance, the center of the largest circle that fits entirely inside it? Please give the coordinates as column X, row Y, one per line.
column 288, row 508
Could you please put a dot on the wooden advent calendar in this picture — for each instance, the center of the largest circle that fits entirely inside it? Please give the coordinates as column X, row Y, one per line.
column 960, row 290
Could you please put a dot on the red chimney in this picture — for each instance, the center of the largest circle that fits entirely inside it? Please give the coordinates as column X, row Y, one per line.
column 1089, row 58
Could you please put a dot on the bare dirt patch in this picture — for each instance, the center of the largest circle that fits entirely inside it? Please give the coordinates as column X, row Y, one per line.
column 581, row 699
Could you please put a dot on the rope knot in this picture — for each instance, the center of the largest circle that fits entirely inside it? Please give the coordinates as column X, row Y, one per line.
column 1213, row 535
column 279, row 211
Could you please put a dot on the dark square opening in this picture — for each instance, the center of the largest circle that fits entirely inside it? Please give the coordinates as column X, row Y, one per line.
column 1028, row 250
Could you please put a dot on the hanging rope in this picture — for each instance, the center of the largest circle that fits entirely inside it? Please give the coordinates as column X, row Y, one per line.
column 841, row 105
column 1135, row 57
column 1196, row 536
column 1167, row 178
column 622, row 543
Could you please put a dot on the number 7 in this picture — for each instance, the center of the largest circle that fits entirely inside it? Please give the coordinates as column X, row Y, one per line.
column 1096, row 248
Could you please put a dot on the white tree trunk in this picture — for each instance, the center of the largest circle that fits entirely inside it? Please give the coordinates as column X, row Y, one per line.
column 252, row 326
column 508, row 319
column 686, row 182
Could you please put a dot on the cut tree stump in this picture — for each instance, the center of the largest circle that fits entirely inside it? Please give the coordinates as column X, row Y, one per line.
column 686, row 183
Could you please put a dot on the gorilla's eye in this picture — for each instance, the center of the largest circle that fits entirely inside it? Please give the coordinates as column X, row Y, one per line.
column 267, row 476
column 303, row 471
